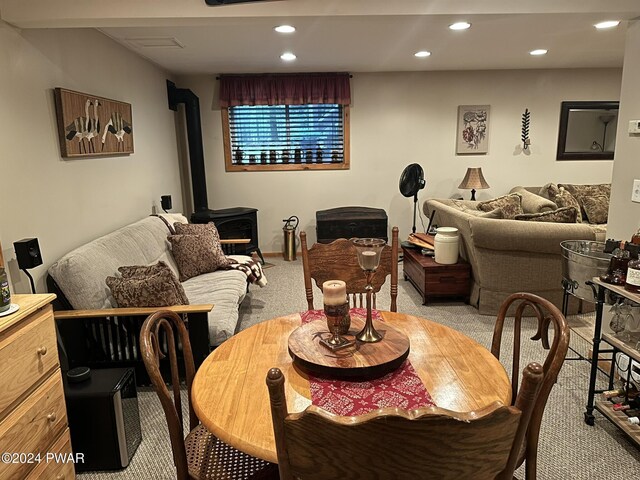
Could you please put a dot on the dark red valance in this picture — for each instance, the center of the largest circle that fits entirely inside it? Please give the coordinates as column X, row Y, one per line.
column 284, row 89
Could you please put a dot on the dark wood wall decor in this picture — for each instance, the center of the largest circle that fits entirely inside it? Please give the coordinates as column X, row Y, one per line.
column 89, row 125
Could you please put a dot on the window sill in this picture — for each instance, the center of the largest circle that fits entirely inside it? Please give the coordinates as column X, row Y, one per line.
column 284, row 167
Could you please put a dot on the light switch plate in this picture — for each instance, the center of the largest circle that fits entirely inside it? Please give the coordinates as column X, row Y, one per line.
column 635, row 193
column 634, row 126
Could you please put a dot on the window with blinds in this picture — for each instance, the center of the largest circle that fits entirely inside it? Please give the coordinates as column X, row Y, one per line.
column 286, row 137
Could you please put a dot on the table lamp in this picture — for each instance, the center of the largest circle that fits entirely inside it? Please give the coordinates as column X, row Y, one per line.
column 473, row 180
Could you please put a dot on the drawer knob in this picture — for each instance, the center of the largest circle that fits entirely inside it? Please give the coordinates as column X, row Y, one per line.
column 52, row 417
column 42, row 350
column 60, row 476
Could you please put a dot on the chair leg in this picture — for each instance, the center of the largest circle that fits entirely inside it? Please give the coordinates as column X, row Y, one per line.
column 531, row 465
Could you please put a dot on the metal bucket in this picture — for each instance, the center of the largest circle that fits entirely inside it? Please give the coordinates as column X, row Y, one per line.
column 581, row 261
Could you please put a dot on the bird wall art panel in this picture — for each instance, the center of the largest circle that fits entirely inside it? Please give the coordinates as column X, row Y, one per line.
column 89, row 125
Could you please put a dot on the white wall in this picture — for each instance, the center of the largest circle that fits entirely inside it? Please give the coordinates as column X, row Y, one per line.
column 401, row 118
column 65, row 203
column 624, row 215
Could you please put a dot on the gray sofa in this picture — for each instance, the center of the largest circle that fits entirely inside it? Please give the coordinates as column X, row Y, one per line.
column 80, row 274
column 508, row 256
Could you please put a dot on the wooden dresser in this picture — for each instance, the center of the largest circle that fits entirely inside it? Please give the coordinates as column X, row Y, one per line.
column 33, row 417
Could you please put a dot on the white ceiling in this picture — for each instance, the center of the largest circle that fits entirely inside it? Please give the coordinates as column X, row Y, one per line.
column 348, row 35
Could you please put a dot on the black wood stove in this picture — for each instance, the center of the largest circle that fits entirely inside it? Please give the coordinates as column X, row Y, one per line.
column 239, row 222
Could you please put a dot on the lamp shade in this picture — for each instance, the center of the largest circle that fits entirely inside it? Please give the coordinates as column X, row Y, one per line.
column 473, row 179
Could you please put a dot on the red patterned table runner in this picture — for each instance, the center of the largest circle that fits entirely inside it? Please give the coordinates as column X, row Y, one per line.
column 401, row 388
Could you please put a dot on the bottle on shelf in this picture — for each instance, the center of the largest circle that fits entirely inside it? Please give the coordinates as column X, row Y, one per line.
column 632, row 281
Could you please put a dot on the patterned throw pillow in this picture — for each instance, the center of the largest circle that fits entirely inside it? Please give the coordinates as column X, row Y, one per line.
column 497, row 213
column 203, row 229
column 509, row 204
column 158, row 287
column 561, row 215
column 160, row 268
column 565, row 199
column 195, row 255
column 549, row 191
column 596, row 208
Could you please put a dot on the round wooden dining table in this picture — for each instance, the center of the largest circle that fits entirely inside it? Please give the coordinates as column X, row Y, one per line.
column 230, row 396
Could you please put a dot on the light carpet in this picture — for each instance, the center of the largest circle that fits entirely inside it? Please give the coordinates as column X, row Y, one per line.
column 569, row 449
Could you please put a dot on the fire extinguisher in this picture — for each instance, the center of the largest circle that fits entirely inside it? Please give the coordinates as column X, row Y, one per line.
column 289, row 230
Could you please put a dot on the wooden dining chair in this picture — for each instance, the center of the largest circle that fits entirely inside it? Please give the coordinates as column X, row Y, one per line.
column 338, row 261
column 428, row 442
column 546, row 314
column 200, row 455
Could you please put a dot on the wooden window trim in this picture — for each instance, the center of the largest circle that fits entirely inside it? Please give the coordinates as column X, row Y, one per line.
column 230, row 167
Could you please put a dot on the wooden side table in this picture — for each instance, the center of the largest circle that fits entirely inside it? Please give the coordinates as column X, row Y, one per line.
column 432, row 279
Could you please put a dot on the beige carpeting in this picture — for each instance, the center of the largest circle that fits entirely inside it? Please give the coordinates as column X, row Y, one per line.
column 569, row 449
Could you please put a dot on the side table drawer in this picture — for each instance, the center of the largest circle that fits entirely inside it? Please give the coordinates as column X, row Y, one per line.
column 26, row 356
column 33, row 426
column 60, row 468
column 447, row 283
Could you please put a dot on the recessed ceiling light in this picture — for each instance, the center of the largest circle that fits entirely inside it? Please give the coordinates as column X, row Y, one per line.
column 288, row 57
column 539, row 51
column 607, row 24
column 285, row 29
column 422, row 54
column 459, row 26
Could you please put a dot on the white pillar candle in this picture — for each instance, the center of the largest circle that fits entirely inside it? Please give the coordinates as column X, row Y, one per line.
column 369, row 260
column 335, row 292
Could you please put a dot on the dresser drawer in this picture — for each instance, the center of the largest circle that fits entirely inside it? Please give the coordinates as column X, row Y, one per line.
column 26, row 357
column 33, row 426
column 50, row 469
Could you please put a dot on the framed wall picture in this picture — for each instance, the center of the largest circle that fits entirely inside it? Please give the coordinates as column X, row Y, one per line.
column 89, row 125
column 473, row 129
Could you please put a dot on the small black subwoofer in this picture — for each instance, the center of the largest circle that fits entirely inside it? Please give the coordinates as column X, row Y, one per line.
column 28, row 253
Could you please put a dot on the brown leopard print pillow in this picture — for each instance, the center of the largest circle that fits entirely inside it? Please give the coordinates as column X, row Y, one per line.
column 195, row 255
column 147, row 286
column 561, row 215
column 203, row 229
column 511, row 205
column 596, row 208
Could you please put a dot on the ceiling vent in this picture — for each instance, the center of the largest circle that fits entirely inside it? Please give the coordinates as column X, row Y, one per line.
column 154, row 42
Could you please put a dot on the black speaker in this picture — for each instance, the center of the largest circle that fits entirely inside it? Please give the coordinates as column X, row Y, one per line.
column 165, row 202
column 27, row 253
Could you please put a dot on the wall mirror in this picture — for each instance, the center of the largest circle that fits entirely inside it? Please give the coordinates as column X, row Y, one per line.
column 587, row 130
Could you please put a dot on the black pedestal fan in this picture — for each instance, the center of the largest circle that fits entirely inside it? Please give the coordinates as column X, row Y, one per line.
column 411, row 181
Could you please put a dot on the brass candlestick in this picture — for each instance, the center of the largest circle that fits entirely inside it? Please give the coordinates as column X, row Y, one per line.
column 369, row 252
column 338, row 322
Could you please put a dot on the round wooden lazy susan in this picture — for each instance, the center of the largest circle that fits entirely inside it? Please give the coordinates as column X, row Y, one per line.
column 360, row 361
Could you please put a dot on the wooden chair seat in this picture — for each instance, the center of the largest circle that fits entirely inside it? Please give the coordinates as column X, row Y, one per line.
column 201, row 455
column 209, row 458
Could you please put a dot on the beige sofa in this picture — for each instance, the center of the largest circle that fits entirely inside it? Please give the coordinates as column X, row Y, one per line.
column 508, row 256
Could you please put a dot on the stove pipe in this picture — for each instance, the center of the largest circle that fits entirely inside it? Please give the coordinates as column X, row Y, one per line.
column 194, row 139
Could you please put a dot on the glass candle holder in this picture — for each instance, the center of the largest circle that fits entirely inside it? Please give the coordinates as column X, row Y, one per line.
column 369, row 251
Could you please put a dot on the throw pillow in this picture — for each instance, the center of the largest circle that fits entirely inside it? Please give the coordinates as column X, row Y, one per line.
column 195, row 255
column 596, row 208
column 561, row 215
column 533, row 203
column 565, row 199
column 161, row 269
column 509, row 204
column 549, row 191
column 497, row 213
column 203, row 229
column 155, row 290
column 587, row 190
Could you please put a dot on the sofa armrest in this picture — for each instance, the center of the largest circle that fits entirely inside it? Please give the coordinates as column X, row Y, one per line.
column 232, row 241
column 525, row 236
column 129, row 312
column 109, row 338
